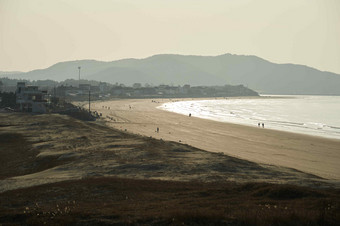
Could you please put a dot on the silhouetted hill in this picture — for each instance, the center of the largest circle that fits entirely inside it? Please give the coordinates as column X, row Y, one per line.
column 6, row 73
column 254, row 72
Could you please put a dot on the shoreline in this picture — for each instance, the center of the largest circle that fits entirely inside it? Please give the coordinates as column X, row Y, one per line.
column 310, row 154
column 272, row 124
column 253, row 126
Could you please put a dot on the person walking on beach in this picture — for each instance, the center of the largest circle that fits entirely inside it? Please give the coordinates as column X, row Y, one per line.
column 258, row 124
column 157, row 130
column 262, row 125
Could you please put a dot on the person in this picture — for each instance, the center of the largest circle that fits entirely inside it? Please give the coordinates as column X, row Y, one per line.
column 258, row 124
column 189, row 114
column 157, row 130
column 262, row 125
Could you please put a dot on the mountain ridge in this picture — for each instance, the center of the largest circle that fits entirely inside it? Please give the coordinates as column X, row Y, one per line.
column 252, row 71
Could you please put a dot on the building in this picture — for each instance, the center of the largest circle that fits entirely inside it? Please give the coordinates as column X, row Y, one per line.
column 84, row 89
column 30, row 98
column 103, row 87
column 63, row 91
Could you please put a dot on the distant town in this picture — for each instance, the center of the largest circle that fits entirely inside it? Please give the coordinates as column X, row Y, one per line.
column 33, row 96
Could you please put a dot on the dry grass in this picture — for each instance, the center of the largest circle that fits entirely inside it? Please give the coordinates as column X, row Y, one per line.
column 18, row 157
column 151, row 202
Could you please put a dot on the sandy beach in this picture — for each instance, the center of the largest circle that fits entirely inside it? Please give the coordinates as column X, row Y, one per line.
column 310, row 154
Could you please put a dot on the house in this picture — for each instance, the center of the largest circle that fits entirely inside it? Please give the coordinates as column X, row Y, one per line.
column 30, row 98
column 63, row 91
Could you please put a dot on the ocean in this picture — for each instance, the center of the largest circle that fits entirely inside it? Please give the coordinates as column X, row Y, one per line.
column 313, row 115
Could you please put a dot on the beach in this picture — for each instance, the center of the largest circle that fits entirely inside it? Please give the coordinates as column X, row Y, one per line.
column 310, row 154
column 57, row 169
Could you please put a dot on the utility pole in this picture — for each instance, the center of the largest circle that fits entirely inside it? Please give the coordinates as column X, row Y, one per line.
column 89, row 101
column 79, row 75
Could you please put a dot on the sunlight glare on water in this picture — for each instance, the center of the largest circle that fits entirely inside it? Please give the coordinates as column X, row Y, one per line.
column 314, row 115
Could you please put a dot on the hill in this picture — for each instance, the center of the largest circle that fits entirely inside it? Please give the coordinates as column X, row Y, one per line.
column 251, row 71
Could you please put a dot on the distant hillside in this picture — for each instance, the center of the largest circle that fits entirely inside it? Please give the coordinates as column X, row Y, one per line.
column 251, row 71
column 6, row 73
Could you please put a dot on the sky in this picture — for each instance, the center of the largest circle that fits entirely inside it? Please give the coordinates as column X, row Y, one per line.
column 35, row 34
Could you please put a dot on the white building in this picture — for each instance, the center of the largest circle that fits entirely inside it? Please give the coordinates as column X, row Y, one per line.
column 30, row 98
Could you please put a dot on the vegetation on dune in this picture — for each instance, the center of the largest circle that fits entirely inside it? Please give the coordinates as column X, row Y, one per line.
column 102, row 200
column 105, row 201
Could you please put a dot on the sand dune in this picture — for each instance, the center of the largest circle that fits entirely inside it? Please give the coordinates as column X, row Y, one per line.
column 43, row 149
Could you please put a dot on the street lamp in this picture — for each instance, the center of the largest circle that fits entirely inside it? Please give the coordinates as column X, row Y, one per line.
column 79, row 74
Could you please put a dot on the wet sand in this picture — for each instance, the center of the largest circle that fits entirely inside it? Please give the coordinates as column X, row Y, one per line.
column 310, row 154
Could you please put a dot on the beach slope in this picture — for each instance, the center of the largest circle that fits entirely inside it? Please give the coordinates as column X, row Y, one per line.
column 311, row 154
column 57, row 170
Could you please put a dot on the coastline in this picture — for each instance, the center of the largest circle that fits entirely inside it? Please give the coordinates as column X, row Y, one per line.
column 282, row 113
column 310, row 154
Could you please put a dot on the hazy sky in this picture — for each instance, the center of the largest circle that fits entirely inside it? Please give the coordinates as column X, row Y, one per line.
column 39, row 33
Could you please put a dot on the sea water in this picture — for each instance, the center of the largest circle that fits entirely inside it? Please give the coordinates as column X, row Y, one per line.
column 313, row 115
